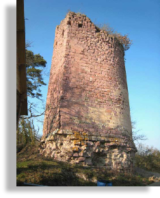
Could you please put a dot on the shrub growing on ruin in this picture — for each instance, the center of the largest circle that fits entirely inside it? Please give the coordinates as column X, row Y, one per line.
column 124, row 40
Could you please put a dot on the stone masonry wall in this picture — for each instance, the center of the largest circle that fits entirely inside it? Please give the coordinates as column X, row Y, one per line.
column 87, row 94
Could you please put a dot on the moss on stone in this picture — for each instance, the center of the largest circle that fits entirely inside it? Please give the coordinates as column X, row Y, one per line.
column 83, row 143
column 76, row 142
column 75, row 148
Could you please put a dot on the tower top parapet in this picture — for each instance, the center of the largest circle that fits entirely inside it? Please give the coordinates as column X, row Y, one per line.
column 79, row 20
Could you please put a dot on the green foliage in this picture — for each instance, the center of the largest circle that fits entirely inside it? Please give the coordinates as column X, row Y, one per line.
column 35, row 64
column 148, row 158
column 26, row 134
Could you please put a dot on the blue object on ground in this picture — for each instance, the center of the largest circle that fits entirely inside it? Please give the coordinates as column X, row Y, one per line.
column 104, row 183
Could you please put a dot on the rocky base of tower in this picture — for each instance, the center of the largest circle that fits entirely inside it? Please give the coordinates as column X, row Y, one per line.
column 114, row 153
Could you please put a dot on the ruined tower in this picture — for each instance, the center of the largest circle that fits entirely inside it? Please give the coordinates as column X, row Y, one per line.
column 87, row 118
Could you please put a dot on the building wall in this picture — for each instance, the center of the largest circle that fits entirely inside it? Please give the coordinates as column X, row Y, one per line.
column 52, row 115
column 87, row 119
column 87, row 88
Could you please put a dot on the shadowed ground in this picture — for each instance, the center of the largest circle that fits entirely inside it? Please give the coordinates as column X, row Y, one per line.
column 33, row 168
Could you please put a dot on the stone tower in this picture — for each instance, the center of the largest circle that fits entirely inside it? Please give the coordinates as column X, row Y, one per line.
column 87, row 118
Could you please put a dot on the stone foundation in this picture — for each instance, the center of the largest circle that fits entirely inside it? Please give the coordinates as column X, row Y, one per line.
column 114, row 153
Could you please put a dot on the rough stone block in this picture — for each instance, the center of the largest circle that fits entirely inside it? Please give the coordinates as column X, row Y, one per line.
column 76, row 142
column 75, row 155
column 81, row 159
column 75, row 148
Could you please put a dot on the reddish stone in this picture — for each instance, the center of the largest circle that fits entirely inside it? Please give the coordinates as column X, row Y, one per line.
column 81, row 159
column 75, row 155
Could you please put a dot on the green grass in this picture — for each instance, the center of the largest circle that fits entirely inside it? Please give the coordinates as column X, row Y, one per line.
column 33, row 168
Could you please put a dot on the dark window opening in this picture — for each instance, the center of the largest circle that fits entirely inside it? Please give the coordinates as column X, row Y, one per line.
column 79, row 25
column 68, row 23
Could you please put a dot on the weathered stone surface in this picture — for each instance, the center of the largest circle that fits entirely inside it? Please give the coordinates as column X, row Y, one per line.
column 75, row 148
column 89, row 143
column 77, row 142
column 75, row 155
column 91, row 153
column 81, row 159
column 89, row 161
column 87, row 110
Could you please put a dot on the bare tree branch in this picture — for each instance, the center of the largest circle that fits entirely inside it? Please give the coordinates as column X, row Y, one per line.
column 34, row 116
column 135, row 134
